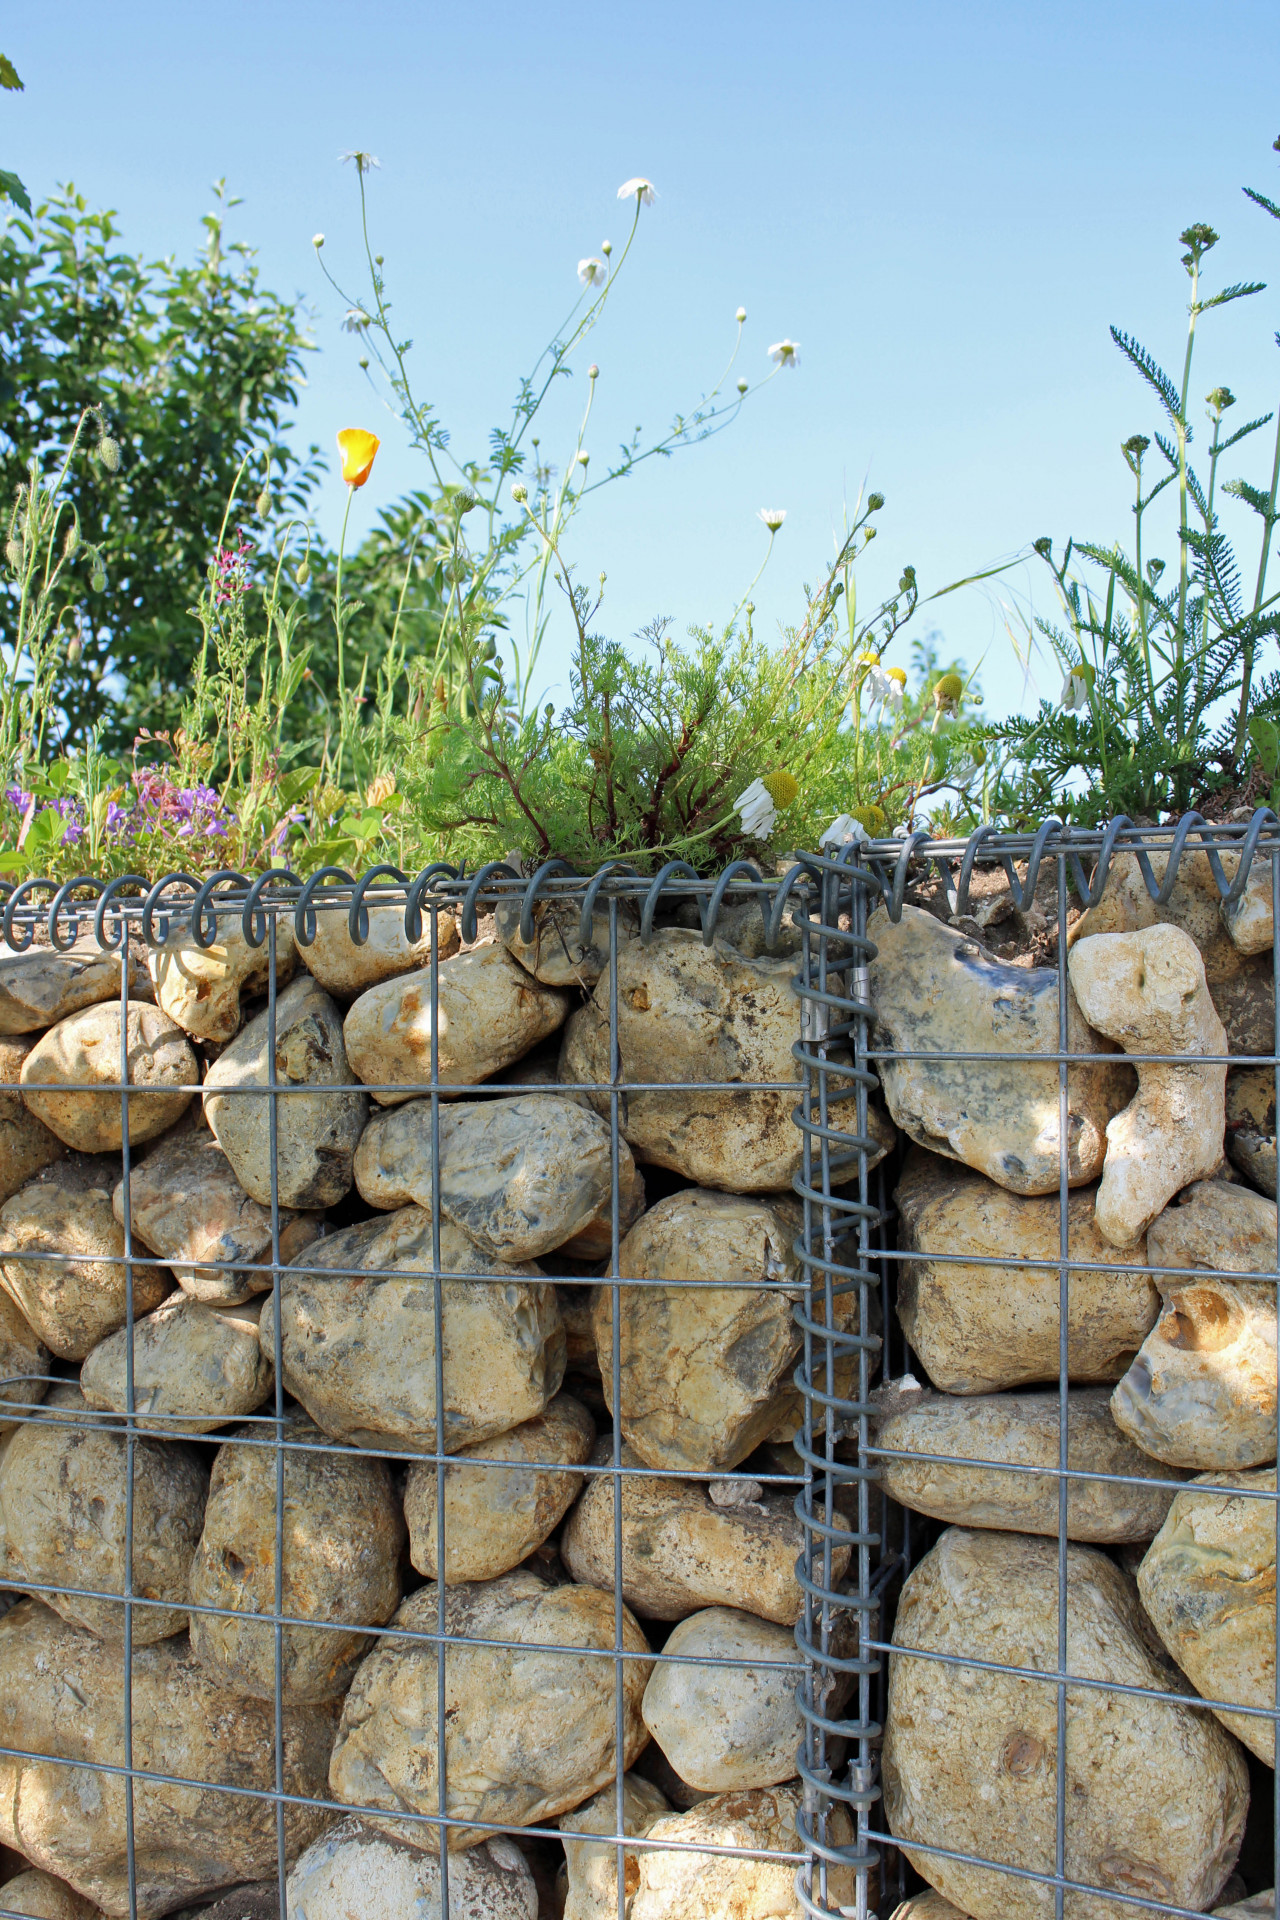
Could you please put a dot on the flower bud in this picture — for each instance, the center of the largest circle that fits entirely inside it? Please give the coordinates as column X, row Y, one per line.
column 519, row 493
column 606, row 248
column 584, row 459
column 303, row 574
column 868, row 533
column 75, row 647
column 742, row 386
column 98, row 580
column 1043, row 546
column 317, row 239
column 948, row 690
column 593, row 371
column 740, row 315
column 263, row 504
column 363, row 363
column 71, row 538
column 15, row 551
column 464, row 500
column 874, row 502
column 109, row 453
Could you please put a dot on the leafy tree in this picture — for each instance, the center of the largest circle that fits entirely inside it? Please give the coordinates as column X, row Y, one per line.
column 195, row 370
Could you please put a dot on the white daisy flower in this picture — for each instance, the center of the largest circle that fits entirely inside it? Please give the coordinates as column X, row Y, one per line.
column 355, row 320
column 843, row 829
column 785, row 353
column 592, row 272
column 758, row 811
column 643, row 191
column 773, row 517
column 1075, row 691
column 364, row 162
column 887, row 685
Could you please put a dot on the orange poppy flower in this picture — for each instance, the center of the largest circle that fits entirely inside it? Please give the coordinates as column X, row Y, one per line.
column 358, row 449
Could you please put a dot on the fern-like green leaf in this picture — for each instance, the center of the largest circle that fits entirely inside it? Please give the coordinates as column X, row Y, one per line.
column 1261, row 200
column 1252, row 496
column 1152, row 373
column 1240, row 291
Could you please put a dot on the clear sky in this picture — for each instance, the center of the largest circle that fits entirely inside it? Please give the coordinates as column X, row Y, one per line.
column 944, row 204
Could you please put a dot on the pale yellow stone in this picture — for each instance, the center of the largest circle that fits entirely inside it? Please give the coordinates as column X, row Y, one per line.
column 927, row 1906
column 342, row 1537
column 593, row 1865
column 358, row 1336
column 491, row 1012
column 344, row 968
column 72, row 1304
column 63, row 1488
column 1157, row 1791
column 677, row 1882
column 201, row 987
column 22, row 1355
column 83, row 1053
column 1208, row 1583
column 522, row 1176
column 529, row 1733
column 681, row 1551
column 355, row 1870
column 726, row 1727
column 40, row 987
column 979, row 1325
column 1251, row 1125
column 195, row 1367
column 26, row 1144
column 1147, row 990
column 43, row 1897
column 494, row 1516
column 62, row 1695
column 1202, row 1390
column 556, row 954
column 1022, row 1429
column 934, row 991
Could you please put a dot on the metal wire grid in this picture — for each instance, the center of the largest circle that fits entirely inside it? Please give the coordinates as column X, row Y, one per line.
column 119, row 909
column 851, row 1244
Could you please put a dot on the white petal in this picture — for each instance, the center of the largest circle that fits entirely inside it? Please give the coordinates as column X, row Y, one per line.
column 639, row 188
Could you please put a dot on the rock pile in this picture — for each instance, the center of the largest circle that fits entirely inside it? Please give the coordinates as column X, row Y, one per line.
column 421, row 1273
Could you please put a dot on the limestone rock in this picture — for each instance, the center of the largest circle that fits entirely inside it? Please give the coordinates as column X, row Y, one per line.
column 934, row 991
column 1202, row 1390
column 521, row 1176
column 1240, row 985
column 727, row 1727
column 22, row 1354
column 529, row 1734
column 705, row 1368
column 1251, row 1126
column 62, row 1695
column 316, row 1133
column 255, row 1900
column 593, row 1865
column 1250, row 920
column 40, row 987
column 675, row 1884
column 354, row 1869
column 1258, row 1906
column 978, row 1325
column 201, row 987
column 345, row 969
column 681, row 1552
column 927, row 1906
column 1022, row 1430
column 188, row 1206
column 62, row 1516
column 43, row 1897
column 1157, row 1791
column 556, row 955
column 491, row 1012
column 195, row 1367
column 72, row 1304
column 26, row 1144
column 83, row 1052
column 1147, row 990
column 690, row 1012
column 342, row 1537
column 1209, row 1584
column 358, row 1337
column 495, row 1516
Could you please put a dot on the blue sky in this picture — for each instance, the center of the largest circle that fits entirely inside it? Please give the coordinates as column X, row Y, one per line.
column 945, row 205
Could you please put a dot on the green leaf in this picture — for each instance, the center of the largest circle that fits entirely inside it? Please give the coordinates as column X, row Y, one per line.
column 45, row 831
column 1154, row 375
column 1265, row 736
column 11, row 188
column 1240, row 291
column 1261, row 200
column 9, row 76
column 296, row 782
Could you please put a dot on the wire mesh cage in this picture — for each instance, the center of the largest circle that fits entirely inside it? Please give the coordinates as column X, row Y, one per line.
column 714, row 1397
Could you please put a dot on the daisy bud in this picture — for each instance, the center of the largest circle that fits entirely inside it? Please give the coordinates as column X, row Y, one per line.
column 519, row 493
column 317, row 239
column 584, row 459
column 1044, row 546
column 874, row 502
column 109, row 453
column 742, row 386
column 363, row 363
column 606, row 248
column 464, row 500
column 593, row 371
column 741, row 315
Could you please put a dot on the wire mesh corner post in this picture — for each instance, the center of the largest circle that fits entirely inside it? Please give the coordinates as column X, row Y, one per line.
column 835, row 1382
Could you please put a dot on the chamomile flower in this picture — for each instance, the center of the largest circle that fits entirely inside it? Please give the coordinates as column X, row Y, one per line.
column 773, row 517
column 1075, row 688
column 592, row 272
column 355, row 320
column 642, row 190
column 785, row 353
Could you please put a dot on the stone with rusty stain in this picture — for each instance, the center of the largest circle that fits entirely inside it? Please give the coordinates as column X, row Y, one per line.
column 343, row 1532
column 521, row 1175
column 62, row 1515
column 1202, row 1390
column 697, row 1013
column 491, row 1013
column 62, row 1695
column 1208, row 1583
column 187, row 1205
column 72, row 1303
column 593, row 1864
column 83, row 1053
column 528, row 1733
column 195, row 1367
column 202, row 987
column 358, row 1336
column 934, row 991
column 494, row 1516
column 316, row 1132
column 681, row 1552
column 991, row 1319
column 1158, row 1791
column 345, row 968
column 1147, row 991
